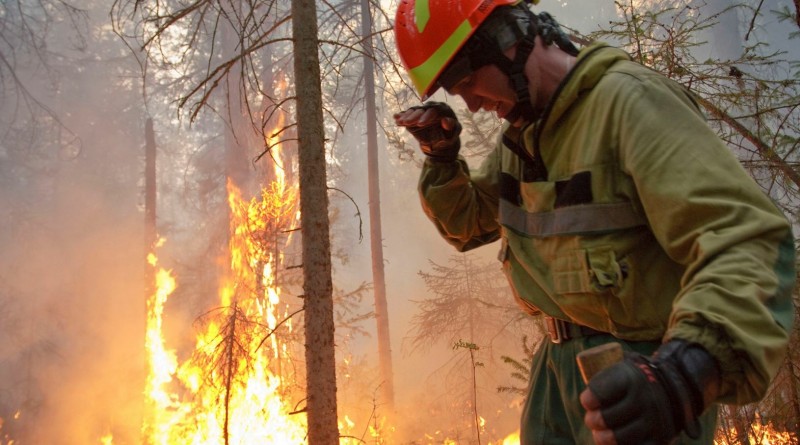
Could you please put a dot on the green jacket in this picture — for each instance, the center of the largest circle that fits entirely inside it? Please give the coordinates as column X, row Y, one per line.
column 621, row 210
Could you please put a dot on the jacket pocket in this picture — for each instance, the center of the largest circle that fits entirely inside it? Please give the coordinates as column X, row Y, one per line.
column 595, row 270
column 590, row 285
column 606, row 272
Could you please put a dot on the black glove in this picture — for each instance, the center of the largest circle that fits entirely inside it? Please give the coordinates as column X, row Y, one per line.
column 653, row 399
column 437, row 143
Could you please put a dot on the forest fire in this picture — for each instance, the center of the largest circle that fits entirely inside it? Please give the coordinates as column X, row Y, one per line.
column 232, row 390
column 758, row 434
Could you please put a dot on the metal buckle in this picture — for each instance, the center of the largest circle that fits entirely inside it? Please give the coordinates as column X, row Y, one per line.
column 557, row 329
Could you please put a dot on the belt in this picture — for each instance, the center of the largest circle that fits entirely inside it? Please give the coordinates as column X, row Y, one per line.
column 561, row 331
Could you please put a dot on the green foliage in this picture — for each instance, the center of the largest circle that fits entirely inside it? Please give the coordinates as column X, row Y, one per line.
column 784, row 14
column 520, row 369
column 466, row 345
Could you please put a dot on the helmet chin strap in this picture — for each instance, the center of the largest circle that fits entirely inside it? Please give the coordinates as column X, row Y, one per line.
column 518, row 25
column 519, row 82
column 546, row 26
column 515, row 70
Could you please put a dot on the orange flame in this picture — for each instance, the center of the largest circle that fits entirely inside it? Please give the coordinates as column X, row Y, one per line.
column 511, row 439
column 759, row 434
column 229, row 391
column 235, row 388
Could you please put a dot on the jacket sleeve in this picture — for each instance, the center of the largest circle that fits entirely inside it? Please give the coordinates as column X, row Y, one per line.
column 710, row 216
column 462, row 204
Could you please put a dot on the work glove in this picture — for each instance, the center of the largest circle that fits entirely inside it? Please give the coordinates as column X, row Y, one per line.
column 435, row 126
column 651, row 400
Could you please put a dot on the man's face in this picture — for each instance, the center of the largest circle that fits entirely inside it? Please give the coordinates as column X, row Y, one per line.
column 488, row 89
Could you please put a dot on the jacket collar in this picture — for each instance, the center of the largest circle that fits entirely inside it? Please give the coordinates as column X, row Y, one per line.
column 591, row 65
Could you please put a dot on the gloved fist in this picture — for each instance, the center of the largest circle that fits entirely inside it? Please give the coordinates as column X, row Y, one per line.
column 435, row 126
column 650, row 400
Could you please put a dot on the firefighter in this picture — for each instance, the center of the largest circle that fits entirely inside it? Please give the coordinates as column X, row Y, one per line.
column 621, row 217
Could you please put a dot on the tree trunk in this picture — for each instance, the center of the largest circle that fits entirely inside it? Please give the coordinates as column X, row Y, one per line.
column 792, row 388
column 317, row 282
column 797, row 12
column 150, row 232
column 375, row 232
column 150, row 236
column 794, row 420
column 764, row 149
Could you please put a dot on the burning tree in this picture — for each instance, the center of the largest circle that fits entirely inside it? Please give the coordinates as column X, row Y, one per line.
column 237, row 49
column 240, row 383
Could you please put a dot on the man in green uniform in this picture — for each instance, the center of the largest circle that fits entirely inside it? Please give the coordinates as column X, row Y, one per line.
column 621, row 218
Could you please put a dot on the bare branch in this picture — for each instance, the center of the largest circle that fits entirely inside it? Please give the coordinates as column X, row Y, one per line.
column 763, row 148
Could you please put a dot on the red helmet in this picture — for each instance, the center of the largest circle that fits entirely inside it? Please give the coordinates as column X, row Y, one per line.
column 430, row 32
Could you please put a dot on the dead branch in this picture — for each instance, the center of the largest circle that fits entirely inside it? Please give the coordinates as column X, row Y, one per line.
column 762, row 147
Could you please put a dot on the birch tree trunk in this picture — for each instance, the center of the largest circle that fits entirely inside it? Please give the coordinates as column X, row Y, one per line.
column 317, row 282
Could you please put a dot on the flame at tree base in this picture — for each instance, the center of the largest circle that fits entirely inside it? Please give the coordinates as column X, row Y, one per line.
column 230, row 391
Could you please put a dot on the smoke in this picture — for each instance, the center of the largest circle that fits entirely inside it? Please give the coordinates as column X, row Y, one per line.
column 71, row 314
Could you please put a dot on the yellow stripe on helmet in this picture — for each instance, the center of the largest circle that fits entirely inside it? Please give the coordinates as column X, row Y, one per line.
column 425, row 73
column 422, row 13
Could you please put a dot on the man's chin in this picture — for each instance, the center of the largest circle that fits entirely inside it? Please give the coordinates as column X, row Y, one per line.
column 514, row 116
column 517, row 121
column 519, row 118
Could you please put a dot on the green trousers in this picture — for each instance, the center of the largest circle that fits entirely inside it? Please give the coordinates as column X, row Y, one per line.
column 553, row 414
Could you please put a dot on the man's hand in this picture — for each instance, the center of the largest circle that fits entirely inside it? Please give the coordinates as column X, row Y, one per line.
column 436, row 128
column 650, row 400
